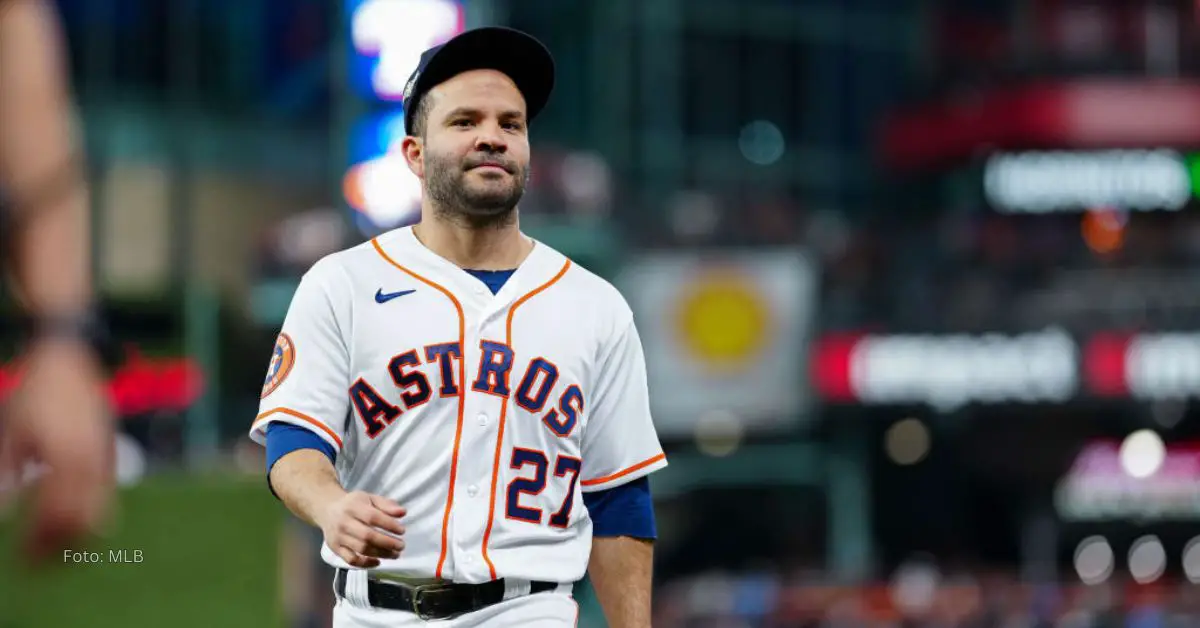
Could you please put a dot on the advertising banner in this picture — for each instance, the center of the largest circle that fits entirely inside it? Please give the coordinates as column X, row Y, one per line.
column 948, row 371
column 724, row 335
column 1100, row 487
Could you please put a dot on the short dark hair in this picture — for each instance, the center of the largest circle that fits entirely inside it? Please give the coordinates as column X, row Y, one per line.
column 421, row 115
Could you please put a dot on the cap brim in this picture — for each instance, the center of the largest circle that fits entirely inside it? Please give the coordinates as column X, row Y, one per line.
column 521, row 57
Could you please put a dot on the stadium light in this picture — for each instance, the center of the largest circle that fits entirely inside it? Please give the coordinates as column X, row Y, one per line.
column 1142, row 454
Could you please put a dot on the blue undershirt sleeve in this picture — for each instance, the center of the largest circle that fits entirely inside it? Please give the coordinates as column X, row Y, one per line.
column 625, row 510
column 284, row 438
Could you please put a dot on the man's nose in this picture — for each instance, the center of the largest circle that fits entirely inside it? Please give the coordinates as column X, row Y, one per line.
column 490, row 138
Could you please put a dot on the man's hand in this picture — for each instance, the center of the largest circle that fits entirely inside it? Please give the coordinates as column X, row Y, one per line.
column 58, row 418
column 355, row 527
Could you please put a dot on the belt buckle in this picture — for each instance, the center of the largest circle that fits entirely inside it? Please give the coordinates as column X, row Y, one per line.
column 418, row 593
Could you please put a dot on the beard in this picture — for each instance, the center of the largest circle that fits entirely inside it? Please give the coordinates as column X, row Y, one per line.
column 474, row 203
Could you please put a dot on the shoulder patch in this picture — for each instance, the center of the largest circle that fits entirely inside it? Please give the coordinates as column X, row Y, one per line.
column 283, row 357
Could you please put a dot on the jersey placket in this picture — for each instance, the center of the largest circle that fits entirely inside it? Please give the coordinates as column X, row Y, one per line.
column 481, row 411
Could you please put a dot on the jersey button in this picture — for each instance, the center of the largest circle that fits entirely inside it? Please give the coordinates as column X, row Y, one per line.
column 472, row 490
column 483, row 419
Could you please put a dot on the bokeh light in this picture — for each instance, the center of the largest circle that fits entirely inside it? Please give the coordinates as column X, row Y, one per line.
column 1094, row 560
column 907, row 441
column 1142, row 454
column 1147, row 559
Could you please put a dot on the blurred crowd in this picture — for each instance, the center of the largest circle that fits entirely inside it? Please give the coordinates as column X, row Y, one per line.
column 920, row 600
column 979, row 272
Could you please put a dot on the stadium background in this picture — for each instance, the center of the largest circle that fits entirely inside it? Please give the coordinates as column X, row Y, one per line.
column 917, row 282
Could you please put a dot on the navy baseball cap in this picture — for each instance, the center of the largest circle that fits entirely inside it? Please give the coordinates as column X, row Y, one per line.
column 520, row 56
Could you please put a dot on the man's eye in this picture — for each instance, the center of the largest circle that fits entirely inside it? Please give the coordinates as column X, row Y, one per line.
column 461, row 122
column 512, row 126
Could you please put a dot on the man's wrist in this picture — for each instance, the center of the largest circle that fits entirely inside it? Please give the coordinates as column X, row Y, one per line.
column 82, row 330
column 327, row 506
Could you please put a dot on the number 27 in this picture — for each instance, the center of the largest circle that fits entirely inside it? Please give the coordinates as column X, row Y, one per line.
column 563, row 466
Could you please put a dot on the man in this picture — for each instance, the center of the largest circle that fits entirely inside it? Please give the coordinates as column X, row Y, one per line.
column 57, row 418
column 460, row 409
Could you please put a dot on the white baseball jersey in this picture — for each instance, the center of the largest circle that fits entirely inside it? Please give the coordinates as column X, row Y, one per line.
column 485, row 416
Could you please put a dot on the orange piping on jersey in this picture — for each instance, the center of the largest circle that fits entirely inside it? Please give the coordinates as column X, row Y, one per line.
column 303, row 417
column 462, row 378
column 487, row 533
column 620, row 474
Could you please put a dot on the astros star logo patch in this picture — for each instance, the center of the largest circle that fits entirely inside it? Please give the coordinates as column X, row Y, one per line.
column 282, row 360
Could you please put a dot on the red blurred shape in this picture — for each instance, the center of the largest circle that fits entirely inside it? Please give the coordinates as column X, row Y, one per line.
column 1083, row 114
column 1104, row 365
column 140, row 385
column 832, row 369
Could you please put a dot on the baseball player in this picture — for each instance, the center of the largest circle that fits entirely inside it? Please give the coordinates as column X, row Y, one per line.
column 459, row 408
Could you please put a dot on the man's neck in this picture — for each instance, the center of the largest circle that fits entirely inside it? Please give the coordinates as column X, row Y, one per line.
column 490, row 248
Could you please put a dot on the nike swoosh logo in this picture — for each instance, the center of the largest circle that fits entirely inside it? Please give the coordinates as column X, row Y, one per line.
column 380, row 297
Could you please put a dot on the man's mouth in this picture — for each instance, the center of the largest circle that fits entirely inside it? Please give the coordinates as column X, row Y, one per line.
column 490, row 165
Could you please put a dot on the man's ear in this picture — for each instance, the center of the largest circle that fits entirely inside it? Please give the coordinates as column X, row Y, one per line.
column 414, row 155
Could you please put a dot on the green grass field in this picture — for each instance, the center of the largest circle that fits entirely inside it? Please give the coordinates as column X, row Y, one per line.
column 209, row 556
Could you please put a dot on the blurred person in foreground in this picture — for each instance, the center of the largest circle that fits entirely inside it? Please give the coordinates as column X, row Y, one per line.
column 56, row 422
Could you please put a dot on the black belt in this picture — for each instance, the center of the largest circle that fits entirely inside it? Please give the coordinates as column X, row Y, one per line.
column 436, row 600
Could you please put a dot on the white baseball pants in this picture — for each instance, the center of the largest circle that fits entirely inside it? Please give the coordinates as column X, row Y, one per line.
column 551, row 609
